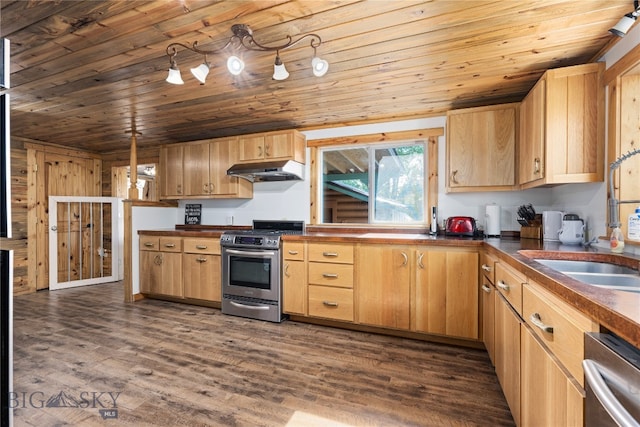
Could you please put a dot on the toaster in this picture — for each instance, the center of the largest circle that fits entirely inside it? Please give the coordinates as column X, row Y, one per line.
column 461, row 226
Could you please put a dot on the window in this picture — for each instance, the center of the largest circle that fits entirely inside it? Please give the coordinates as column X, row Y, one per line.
column 374, row 183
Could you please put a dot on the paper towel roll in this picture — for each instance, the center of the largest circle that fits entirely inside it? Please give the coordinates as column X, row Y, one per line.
column 492, row 220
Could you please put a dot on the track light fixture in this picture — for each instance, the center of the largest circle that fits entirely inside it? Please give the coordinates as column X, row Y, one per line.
column 243, row 38
column 625, row 23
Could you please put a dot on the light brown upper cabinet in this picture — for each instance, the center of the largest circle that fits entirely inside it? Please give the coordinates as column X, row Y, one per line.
column 481, row 148
column 280, row 145
column 199, row 170
column 561, row 133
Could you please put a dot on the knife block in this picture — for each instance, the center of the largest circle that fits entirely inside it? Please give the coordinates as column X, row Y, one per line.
column 532, row 231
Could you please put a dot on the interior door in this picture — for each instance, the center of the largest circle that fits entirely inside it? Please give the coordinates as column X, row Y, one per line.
column 83, row 241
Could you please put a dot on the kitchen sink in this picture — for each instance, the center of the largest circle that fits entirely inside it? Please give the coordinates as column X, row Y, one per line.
column 572, row 266
column 601, row 274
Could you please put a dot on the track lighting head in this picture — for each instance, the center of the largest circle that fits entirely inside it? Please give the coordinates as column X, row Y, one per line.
column 625, row 23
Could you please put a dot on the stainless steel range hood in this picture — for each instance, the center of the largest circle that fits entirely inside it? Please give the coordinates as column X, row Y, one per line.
column 284, row 170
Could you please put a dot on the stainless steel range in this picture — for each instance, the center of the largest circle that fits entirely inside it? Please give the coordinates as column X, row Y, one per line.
column 252, row 269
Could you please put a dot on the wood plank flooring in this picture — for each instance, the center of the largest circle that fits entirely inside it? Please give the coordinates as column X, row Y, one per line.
column 170, row 364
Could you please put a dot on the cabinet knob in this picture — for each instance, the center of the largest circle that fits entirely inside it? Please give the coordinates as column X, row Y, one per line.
column 485, row 267
column 486, row 288
column 503, row 285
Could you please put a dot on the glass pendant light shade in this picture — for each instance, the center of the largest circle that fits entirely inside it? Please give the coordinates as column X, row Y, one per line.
column 279, row 71
column 235, row 65
column 200, row 72
column 174, row 76
column 319, row 66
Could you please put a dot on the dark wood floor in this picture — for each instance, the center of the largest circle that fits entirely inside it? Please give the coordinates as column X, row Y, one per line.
column 179, row 365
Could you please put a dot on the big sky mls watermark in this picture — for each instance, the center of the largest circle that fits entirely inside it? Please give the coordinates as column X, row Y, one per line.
column 104, row 401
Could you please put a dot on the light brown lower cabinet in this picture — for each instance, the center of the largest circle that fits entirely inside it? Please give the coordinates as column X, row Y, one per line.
column 446, row 293
column 201, row 269
column 294, row 278
column 161, row 266
column 549, row 396
column 507, row 353
column 384, row 285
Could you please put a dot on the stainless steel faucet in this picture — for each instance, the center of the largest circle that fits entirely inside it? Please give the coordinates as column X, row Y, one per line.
column 614, row 212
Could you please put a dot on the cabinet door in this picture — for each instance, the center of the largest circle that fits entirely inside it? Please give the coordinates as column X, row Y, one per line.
column 150, row 271
column 532, row 134
column 196, row 169
column 507, row 353
column 251, row 148
column 384, row 280
column 278, row 146
column 171, row 281
column 446, row 293
column 222, row 155
column 171, row 171
column 294, row 282
column 202, row 276
column 488, row 318
column 548, row 396
column 481, row 148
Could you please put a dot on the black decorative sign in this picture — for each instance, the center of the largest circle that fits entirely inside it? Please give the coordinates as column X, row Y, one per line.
column 192, row 214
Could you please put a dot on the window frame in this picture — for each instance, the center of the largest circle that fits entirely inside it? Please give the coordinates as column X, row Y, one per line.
column 429, row 137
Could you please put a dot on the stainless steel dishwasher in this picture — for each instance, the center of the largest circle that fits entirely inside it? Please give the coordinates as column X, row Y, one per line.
column 612, row 381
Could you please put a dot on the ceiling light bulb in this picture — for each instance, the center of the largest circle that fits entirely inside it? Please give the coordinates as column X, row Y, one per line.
column 623, row 25
column 279, row 71
column 201, row 71
column 174, row 76
column 235, row 65
column 319, row 66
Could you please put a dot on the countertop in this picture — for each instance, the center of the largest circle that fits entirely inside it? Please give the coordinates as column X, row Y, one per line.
column 617, row 311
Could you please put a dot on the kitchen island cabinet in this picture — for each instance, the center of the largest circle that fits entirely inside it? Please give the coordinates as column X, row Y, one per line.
column 561, row 132
column 481, row 148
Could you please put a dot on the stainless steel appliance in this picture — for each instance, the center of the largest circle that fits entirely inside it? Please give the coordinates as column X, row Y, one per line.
column 612, row 381
column 252, row 269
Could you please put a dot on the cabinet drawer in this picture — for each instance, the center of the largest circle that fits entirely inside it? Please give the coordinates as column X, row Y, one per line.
column 341, row 253
column 509, row 284
column 332, row 303
column 293, row 251
column 542, row 310
column 323, row 273
column 149, row 243
column 201, row 246
column 488, row 266
column 171, row 244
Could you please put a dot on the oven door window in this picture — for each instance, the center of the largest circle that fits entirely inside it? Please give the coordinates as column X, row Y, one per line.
column 250, row 272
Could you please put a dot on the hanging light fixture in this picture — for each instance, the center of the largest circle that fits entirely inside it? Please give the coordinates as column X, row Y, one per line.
column 625, row 23
column 243, row 38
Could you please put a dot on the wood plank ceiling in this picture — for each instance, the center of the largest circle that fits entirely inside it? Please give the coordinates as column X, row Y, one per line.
column 83, row 71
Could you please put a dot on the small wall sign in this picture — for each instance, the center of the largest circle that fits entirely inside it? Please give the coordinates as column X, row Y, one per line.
column 192, row 214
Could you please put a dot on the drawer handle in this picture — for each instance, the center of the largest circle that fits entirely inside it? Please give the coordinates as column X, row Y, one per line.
column 486, row 288
column 330, row 254
column 293, row 252
column 201, row 259
column 330, row 275
column 503, row 285
column 330, row 303
column 169, row 245
column 201, row 246
column 537, row 321
column 485, row 267
column 148, row 244
column 420, row 256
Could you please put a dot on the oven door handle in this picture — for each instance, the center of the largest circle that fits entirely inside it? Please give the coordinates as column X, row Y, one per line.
column 260, row 253
column 248, row 306
column 593, row 374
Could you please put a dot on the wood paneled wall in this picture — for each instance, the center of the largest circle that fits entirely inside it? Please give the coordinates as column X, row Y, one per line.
column 19, row 206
